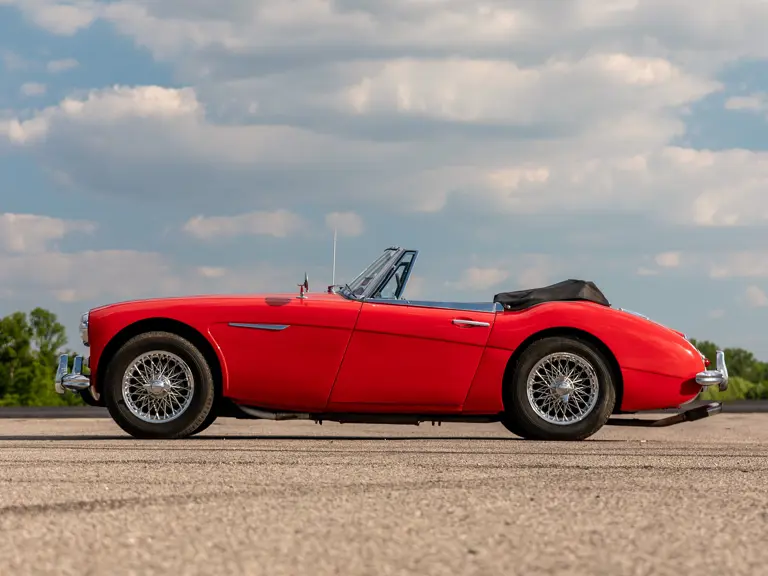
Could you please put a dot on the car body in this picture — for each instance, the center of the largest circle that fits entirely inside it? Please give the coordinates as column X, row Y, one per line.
column 363, row 353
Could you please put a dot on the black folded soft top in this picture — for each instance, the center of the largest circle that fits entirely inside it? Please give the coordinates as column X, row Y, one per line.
column 562, row 291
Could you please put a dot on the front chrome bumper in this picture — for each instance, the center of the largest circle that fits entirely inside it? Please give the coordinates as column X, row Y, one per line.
column 718, row 377
column 74, row 381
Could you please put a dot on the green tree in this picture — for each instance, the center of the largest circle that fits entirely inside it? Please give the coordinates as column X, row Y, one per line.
column 748, row 376
column 29, row 346
column 15, row 354
column 48, row 335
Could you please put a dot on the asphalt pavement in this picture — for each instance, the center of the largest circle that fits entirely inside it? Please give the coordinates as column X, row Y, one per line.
column 252, row 497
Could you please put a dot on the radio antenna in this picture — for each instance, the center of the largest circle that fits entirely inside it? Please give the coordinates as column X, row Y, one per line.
column 333, row 277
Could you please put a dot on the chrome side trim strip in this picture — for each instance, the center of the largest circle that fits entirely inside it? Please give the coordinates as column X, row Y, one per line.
column 478, row 307
column 272, row 327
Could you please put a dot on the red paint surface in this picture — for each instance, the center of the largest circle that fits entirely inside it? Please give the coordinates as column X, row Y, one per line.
column 410, row 357
column 289, row 369
column 657, row 363
column 340, row 356
column 484, row 396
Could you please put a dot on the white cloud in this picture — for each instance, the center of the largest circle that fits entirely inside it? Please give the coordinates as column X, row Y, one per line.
column 717, row 264
column 416, row 287
column 179, row 28
column 347, row 223
column 211, row 271
column 756, row 298
column 125, row 102
column 668, row 259
column 132, row 128
column 65, row 17
column 477, row 278
column 12, row 61
column 621, row 160
column 33, row 89
column 63, row 65
column 128, row 274
column 24, row 132
column 102, row 107
column 757, row 102
column 447, row 88
column 745, row 264
column 31, row 233
column 533, row 277
column 279, row 224
column 643, row 271
column 31, row 264
column 516, row 272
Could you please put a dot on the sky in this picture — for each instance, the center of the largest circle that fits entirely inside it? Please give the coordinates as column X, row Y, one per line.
column 194, row 147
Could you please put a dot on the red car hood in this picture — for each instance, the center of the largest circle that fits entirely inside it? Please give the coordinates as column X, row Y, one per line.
column 204, row 300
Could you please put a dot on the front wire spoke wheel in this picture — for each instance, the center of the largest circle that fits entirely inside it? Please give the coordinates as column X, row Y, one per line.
column 158, row 387
column 562, row 388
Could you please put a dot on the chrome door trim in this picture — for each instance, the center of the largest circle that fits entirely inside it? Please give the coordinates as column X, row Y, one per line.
column 271, row 327
column 470, row 323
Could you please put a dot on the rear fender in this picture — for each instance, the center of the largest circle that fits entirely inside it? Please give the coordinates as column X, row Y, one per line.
column 636, row 343
column 655, row 366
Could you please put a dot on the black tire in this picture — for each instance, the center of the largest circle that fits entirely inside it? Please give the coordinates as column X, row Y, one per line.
column 87, row 396
column 192, row 419
column 521, row 419
column 513, row 426
column 210, row 419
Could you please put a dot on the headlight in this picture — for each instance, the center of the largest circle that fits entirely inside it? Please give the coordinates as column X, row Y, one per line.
column 84, row 329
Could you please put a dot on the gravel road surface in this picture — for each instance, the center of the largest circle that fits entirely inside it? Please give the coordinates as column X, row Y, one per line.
column 250, row 497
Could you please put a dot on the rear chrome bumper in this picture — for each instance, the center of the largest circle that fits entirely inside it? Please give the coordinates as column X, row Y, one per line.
column 74, row 381
column 718, row 377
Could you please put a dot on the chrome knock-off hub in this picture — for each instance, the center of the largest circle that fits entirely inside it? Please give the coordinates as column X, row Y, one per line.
column 159, row 387
column 562, row 387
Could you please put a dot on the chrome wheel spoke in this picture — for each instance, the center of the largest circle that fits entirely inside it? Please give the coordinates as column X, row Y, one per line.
column 562, row 388
column 158, row 387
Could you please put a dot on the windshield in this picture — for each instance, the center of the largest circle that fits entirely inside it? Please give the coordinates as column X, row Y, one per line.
column 357, row 287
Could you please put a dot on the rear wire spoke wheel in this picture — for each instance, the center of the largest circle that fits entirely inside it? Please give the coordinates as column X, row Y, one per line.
column 562, row 388
column 159, row 385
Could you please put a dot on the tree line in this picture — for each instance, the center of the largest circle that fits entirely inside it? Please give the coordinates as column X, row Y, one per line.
column 31, row 342
column 29, row 348
column 748, row 376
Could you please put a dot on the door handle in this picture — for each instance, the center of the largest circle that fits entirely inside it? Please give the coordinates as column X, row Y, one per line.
column 470, row 323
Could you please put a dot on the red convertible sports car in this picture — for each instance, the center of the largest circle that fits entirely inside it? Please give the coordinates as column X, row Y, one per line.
column 551, row 363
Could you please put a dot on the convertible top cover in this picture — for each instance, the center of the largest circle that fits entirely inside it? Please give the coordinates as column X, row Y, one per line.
column 562, row 291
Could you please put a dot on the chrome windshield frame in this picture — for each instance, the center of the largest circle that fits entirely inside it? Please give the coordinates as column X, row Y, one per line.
column 382, row 274
column 387, row 274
